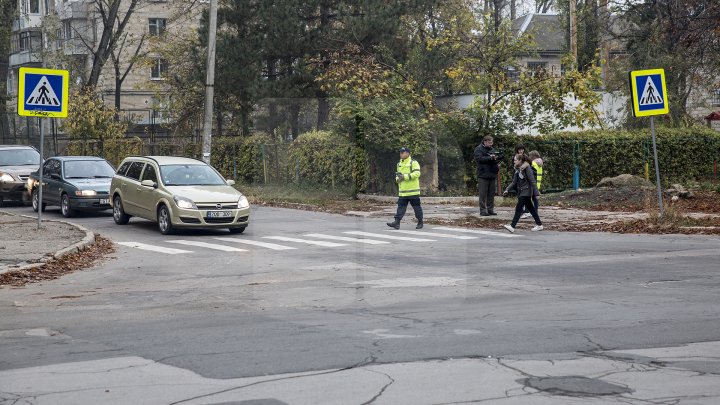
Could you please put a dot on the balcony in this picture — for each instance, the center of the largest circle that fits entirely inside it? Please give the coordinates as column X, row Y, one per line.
column 25, row 58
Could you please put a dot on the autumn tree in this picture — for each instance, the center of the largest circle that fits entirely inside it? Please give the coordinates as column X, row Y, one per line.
column 683, row 37
column 89, row 120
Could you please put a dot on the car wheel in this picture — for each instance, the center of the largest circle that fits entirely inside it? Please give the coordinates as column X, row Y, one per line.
column 164, row 221
column 65, row 209
column 119, row 215
column 237, row 230
column 36, row 201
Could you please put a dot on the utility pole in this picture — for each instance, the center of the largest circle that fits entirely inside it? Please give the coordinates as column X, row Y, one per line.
column 604, row 40
column 573, row 32
column 209, row 83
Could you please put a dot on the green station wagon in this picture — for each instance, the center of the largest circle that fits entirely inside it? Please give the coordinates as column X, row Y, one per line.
column 176, row 192
column 75, row 183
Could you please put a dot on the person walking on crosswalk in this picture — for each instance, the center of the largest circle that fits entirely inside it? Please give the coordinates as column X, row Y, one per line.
column 523, row 182
column 407, row 177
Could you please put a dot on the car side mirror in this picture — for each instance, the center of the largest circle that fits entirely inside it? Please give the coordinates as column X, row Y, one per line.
column 230, row 182
column 148, row 183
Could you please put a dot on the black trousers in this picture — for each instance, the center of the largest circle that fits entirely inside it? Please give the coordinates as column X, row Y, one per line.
column 536, row 203
column 402, row 207
column 525, row 202
column 486, row 192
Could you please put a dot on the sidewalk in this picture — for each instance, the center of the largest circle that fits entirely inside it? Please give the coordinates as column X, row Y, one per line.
column 23, row 246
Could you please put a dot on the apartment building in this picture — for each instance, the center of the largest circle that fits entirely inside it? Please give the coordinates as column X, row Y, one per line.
column 64, row 34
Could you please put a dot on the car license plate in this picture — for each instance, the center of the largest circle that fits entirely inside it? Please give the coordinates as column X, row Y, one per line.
column 219, row 214
column 104, row 201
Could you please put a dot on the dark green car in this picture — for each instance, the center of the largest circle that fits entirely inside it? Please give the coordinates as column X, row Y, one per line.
column 75, row 183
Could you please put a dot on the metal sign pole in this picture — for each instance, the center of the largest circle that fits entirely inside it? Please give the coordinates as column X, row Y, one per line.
column 40, row 175
column 657, row 168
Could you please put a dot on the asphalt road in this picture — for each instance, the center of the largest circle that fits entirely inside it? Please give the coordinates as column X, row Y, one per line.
column 231, row 308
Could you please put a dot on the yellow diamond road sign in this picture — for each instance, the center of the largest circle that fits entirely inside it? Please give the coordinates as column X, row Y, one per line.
column 43, row 92
column 649, row 93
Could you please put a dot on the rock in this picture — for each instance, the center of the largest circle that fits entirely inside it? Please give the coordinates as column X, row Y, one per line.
column 624, row 180
column 677, row 190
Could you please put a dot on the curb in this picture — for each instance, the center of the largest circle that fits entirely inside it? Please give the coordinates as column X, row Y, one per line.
column 86, row 241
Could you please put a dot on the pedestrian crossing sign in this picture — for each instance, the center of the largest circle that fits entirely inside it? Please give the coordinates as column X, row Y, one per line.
column 649, row 93
column 43, row 92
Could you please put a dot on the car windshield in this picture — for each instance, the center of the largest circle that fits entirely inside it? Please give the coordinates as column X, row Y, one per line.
column 19, row 157
column 88, row 169
column 190, row 175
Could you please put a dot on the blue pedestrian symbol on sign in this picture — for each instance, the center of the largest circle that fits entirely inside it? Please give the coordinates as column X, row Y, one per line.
column 43, row 95
column 651, row 97
column 43, row 92
column 649, row 94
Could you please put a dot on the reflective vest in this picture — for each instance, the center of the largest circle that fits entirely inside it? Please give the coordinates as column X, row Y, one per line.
column 538, row 173
column 410, row 185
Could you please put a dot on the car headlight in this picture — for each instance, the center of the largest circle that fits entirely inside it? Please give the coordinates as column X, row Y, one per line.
column 243, row 202
column 6, row 177
column 85, row 193
column 184, row 203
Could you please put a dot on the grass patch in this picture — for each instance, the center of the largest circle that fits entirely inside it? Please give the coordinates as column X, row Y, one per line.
column 293, row 193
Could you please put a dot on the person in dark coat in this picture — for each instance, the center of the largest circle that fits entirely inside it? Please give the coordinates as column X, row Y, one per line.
column 487, row 159
column 524, row 184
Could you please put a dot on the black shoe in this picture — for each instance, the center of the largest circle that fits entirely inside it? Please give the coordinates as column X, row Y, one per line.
column 419, row 225
column 492, row 213
column 484, row 214
column 395, row 224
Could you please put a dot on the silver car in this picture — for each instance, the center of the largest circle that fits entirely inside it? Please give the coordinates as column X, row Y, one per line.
column 16, row 164
column 176, row 192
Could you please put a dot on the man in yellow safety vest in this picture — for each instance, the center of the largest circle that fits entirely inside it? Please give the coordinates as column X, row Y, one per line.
column 407, row 176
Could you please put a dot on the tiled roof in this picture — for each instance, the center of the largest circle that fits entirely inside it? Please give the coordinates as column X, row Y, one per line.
column 546, row 29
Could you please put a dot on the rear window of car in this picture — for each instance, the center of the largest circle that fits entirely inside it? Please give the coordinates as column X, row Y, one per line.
column 134, row 170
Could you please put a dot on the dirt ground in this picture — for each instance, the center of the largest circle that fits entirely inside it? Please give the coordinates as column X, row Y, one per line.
column 621, row 210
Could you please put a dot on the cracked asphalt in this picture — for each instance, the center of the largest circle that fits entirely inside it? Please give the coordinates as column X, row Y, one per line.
column 539, row 318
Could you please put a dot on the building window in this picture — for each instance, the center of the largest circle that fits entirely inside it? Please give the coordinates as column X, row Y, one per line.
column 158, row 70
column 716, row 97
column 34, row 7
column 26, row 41
column 534, row 66
column 157, row 26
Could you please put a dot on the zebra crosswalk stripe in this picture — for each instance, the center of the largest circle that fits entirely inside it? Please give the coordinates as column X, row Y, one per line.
column 433, row 234
column 476, row 231
column 346, row 239
column 153, row 248
column 272, row 246
column 309, row 242
column 393, row 237
column 207, row 245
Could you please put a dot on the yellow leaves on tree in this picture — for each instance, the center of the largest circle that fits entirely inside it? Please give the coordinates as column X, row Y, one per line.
column 90, row 119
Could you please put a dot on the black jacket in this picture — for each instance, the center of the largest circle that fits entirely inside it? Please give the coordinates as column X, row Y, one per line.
column 525, row 186
column 487, row 168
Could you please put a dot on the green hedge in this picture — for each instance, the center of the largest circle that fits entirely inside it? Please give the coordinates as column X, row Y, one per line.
column 685, row 154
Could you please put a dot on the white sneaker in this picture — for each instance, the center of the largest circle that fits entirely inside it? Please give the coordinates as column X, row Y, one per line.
column 537, row 228
column 525, row 215
column 509, row 228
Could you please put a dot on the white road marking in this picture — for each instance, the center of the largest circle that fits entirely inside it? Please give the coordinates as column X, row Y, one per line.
column 476, row 231
column 153, row 248
column 309, row 242
column 272, row 246
column 208, row 245
column 346, row 239
column 411, row 282
column 393, row 237
column 382, row 334
column 439, row 235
